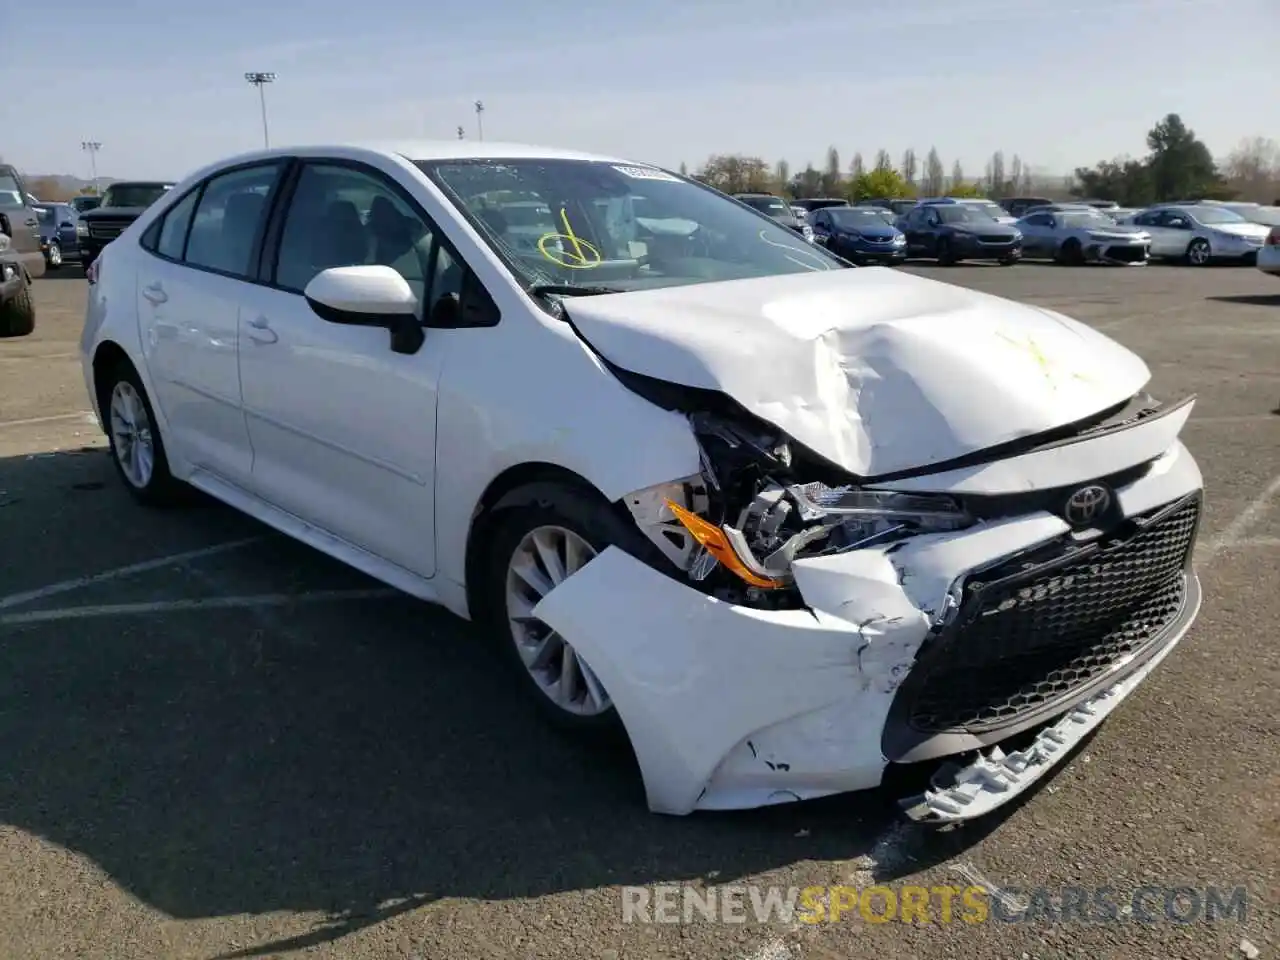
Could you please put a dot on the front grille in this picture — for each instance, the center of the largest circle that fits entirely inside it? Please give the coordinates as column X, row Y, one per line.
column 1128, row 254
column 1002, row 240
column 1031, row 634
column 107, row 229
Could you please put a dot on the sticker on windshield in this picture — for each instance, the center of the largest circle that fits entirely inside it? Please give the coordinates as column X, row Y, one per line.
column 567, row 249
column 647, row 173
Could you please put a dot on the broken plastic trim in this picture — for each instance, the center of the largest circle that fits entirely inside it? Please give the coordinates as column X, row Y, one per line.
column 720, row 543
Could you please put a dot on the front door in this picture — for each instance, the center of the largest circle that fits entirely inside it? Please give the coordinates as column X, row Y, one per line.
column 343, row 429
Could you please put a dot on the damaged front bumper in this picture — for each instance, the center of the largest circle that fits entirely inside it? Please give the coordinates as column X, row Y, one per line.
column 932, row 649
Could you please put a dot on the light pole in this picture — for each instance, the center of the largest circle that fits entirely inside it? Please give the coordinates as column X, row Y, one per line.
column 260, row 80
column 91, row 147
column 479, row 120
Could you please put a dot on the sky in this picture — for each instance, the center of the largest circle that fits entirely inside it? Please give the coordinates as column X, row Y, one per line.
column 1063, row 83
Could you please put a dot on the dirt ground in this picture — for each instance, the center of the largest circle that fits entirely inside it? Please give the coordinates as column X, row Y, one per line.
column 216, row 743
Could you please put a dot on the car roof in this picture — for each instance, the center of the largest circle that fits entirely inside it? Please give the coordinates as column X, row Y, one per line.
column 429, row 150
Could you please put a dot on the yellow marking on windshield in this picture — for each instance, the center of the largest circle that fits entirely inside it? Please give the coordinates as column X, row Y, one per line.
column 579, row 255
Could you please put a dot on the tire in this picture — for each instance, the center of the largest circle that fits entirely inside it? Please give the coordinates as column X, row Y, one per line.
column 18, row 314
column 555, row 511
column 153, row 487
column 946, row 258
column 1198, row 253
column 53, row 257
column 1071, row 253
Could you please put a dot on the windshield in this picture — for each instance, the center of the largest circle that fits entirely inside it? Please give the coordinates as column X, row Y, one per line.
column 857, row 217
column 770, row 205
column 133, row 194
column 627, row 227
column 962, row 213
column 1086, row 218
column 1218, row 215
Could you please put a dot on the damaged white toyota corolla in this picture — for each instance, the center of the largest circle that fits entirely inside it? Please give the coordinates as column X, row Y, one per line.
column 788, row 523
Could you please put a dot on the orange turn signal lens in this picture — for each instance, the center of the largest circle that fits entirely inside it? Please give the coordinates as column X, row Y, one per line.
column 716, row 544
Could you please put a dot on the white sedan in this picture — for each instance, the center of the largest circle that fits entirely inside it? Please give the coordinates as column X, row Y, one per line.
column 786, row 523
column 1269, row 255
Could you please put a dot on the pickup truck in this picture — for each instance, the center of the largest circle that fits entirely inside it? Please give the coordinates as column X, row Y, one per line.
column 21, row 256
column 122, row 203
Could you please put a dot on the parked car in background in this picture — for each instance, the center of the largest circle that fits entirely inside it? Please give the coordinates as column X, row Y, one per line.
column 899, row 205
column 992, row 209
column 951, row 232
column 21, row 259
column 811, row 204
column 1099, row 204
column 859, row 234
column 84, row 203
column 1257, row 213
column 800, row 212
column 58, row 239
column 1081, row 234
column 789, row 526
column 122, row 203
column 1269, row 255
column 1017, row 206
column 1198, row 235
column 777, row 208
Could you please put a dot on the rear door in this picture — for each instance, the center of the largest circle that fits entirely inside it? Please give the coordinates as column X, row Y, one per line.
column 19, row 221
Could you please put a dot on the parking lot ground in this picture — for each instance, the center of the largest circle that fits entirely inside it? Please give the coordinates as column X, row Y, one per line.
column 218, row 743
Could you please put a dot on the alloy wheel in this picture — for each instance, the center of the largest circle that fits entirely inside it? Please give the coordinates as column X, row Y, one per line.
column 131, row 435
column 545, row 557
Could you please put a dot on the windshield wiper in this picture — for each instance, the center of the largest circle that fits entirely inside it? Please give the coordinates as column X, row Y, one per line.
column 570, row 290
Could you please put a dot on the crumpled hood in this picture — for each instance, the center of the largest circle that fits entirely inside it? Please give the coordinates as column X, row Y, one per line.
column 877, row 371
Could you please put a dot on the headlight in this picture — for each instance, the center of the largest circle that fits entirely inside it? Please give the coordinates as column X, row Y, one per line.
column 806, row 231
column 783, row 523
column 1103, row 238
column 82, row 228
column 8, row 271
column 900, row 239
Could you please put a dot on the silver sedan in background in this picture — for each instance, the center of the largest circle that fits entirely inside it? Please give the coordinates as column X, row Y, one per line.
column 1081, row 234
column 1200, row 234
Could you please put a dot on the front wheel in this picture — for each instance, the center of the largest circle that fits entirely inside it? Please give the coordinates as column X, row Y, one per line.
column 542, row 536
column 18, row 314
column 1198, row 253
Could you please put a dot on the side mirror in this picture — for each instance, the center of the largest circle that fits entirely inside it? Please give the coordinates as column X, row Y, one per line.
column 368, row 296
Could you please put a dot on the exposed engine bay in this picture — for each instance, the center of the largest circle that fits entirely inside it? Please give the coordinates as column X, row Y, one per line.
column 756, row 507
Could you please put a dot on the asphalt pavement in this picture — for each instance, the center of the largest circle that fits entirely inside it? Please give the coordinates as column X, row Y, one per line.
column 218, row 743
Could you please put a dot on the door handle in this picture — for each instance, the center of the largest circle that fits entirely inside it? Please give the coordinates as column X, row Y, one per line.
column 260, row 331
column 155, row 294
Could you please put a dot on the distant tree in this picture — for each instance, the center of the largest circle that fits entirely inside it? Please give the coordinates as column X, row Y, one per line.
column 48, row 188
column 995, row 173
column 879, row 183
column 806, row 183
column 1252, row 169
column 1180, row 164
column 883, row 160
column 957, row 176
column 734, row 173
column 910, row 165
column 782, row 174
column 1125, row 180
column 831, row 173
column 934, row 174
column 1015, row 174
column 856, row 168
column 965, row 189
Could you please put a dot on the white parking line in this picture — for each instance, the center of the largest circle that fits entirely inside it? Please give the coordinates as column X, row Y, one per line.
column 30, row 421
column 40, row 356
column 53, row 589
column 206, row 603
column 1246, row 518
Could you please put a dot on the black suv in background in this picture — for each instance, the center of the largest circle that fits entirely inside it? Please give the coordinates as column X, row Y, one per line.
column 122, row 203
column 21, row 257
column 777, row 208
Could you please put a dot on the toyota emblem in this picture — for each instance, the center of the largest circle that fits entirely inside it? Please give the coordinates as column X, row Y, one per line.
column 1086, row 505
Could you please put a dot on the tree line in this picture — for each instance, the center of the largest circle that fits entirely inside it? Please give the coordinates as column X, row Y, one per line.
column 1178, row 166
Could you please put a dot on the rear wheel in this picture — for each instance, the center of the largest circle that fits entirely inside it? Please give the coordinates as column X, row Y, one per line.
column 18, row 314
column 1198, row 252
column 946, row 256
column 137, row 449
